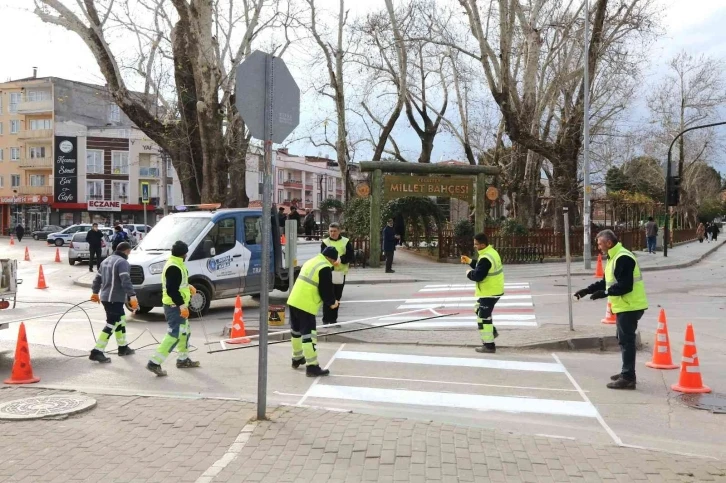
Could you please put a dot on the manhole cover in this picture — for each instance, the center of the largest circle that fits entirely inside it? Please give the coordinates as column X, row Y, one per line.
column 45, row 406
column 716, row 403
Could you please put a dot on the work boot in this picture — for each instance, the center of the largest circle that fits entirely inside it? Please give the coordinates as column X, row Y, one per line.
column 615, row 377
column 156, row 369
column 98, row 356
column 496, row 334
column 315, row 371
column 187, row 363
column 124, row 350
column 486, row 349
column 297, row 363
column 621, row 384
column 90, row 269
column 390, row 271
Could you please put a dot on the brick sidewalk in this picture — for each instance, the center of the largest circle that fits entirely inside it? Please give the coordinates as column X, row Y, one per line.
column 142, row 439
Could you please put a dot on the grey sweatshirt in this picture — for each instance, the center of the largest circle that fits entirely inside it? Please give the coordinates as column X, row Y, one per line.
column 113, row 282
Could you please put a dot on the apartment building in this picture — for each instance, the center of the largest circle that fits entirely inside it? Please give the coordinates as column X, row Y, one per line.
column 51, row 131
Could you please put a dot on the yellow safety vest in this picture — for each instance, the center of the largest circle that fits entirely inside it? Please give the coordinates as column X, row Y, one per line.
column 635, row 300
column 305, row 295
column 340, row 244
column 493, row 283
column 183, row 287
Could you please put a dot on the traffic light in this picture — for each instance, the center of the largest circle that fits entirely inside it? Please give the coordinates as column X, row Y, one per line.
column 674, row 190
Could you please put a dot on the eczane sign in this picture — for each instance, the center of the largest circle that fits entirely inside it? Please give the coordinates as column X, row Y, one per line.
column 102, row 205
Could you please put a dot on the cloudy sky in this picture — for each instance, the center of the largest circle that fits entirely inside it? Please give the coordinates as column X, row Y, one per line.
column 694, row 25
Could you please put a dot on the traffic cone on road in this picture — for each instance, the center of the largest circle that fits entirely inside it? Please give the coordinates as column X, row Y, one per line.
column 22, row 372
column 57, row 255
column 41, row 278
column 609, row 315
column 27, row 254
column 12, row 240
column 599, row 272
column 690, row 378
column 283, row 240
column 662, row 348
column 238, row 333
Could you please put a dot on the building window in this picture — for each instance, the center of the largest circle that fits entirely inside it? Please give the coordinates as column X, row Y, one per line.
column 14, row 180
column 14, row 154
column 32, row 96
column 2, row 182
column 330, row 184
column 280, row 195
column 1, row 124
column 169, row 195
column 2, row 154
column 1, row 105
column 114, row 113
column 120, row 191
column 94, row 190
column 14, row 126
column 120, row 162
column 36, row 124
column 280, row 176
column 36, row 152
column 94, row 162
column 14, row 101
column 37, row 180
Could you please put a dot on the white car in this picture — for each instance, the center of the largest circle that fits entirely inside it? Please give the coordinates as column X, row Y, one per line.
column 78, row 249
column 62, row 237
column 135, row 230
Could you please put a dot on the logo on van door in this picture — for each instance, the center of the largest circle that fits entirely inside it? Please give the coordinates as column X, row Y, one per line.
column 220, row 263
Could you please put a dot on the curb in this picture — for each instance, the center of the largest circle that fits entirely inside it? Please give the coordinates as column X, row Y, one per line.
column 82, row 284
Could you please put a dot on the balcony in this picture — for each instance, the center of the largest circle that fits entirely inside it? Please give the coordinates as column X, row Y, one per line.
column 36, row 190
column 36, row 163
column 36, row 135
column 292, row 183
column 147, row 172
column 308, row 187
column 35, row 107
column 309, row 206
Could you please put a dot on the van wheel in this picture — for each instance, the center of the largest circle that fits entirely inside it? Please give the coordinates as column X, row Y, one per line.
column 59, row 242
column 201, row 301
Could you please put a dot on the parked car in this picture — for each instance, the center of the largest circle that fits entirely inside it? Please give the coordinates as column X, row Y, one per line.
column 64, row 236
column 43, row 233
column 136, row 229
column 78, row 249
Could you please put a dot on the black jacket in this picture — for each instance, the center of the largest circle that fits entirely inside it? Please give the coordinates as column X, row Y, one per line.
column 389, row 239
column 623, row 272
column 94, row 238
column 173, row 281
column 325, row 286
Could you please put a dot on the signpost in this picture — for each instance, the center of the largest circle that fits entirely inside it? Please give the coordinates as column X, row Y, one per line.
column 268, row 99
column 145, row 199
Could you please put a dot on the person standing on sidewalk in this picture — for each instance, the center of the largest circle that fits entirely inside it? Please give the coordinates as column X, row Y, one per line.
column 313, row 288
column 111, row 286
column 281, row 217
column 651, row 234
column 624, row 288
column 715, row 231
column 340, row 268
column 488, row 273
column 20, row 232
column 700, row 232
column 389, row 244
column 94, row 238
column 176, row 295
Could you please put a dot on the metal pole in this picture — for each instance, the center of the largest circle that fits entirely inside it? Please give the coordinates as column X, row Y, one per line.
column 164, row 174
column 567, row 257
column 145, row 223
column 266, row 239
column 586, row 248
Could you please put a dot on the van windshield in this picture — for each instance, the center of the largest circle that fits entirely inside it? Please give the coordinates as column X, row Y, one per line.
column 173, row 228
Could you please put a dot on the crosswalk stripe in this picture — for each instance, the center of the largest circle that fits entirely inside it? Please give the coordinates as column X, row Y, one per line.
column 470, row 299
column 451, row 361
column 455, row 400
column 463, row 324
column 507, row 284
column 497, row 318
column 463, row 304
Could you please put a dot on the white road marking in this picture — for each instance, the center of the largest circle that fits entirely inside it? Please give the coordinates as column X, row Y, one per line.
column 497, row 318
column 475, row 384
column 471, row 285
column 232, row 452
column 554, row 436
column 317, row 379
column 454, row 400
column 469, row 325
column 449, row 361
column 462, row 304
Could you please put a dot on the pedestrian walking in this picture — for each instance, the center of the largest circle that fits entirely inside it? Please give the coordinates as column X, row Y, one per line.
column 488, row 273
column 294, row 215
column 340, row 267
column 309, row 224
column 112, row 287
column 390, row 238
column 715, row 231
column 281, row 217
column 20, row 232
column 313, row 288
column 700, row 232
column 94, row 238
column 624, row 288
column 651, row 234
column 119, row 236
column 176, row 295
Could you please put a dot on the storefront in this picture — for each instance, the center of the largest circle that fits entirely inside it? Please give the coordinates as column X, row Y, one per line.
column 33, row 211
column 108, row 213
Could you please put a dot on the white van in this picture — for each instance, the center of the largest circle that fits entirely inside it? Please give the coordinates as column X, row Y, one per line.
column 224, row 259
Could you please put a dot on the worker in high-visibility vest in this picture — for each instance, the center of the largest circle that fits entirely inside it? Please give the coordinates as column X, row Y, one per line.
column 340, row 267
column 313, row 288
column 624, row 288
column 176, row 295
column 488, row 273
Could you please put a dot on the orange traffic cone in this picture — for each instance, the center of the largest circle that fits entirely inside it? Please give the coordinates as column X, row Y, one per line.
column 12, row 240
column 282, row 239
column 609, row 315
column 690, row 378
column 41, row 278
column 662, row 348
column 238, row 333
column 57, row 255
column 27, row 254
column 599, row 272
column 22, row 369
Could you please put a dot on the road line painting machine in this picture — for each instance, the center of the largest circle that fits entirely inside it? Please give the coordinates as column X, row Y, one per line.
column 8, row 285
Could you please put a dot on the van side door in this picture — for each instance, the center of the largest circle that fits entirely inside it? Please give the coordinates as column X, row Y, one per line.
column 223, row 256
column 252, row 239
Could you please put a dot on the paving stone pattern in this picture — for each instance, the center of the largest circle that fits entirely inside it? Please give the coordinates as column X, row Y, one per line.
column 143, row 439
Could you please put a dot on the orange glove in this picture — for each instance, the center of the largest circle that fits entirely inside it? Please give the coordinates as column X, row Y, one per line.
column 192, row 290
column 465, row 260
column 184, row 311
column 95, row 298
column 134, row 303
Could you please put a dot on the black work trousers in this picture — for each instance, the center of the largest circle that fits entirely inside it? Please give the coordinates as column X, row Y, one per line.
column 330, row 316
column 389, row 260
column 301, row 322
column 627, row 324
column 94, row 254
